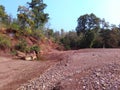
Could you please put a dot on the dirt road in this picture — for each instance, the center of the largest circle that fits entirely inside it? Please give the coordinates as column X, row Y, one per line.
column 86, row 69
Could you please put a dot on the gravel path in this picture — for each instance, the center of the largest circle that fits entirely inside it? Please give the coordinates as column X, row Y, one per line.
column 96, row 69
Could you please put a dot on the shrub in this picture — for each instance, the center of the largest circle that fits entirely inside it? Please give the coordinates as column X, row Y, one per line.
column 28, row 32
column 14, row 26
column 37, row 34
column 22, row 46
column 13, row 52
column 35, row 48
column 5, row 42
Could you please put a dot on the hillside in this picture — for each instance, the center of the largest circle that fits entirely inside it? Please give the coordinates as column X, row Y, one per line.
column 13, row 41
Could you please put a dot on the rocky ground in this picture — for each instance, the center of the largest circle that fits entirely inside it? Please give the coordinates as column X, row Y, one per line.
column 85, row 69
column 81, row 70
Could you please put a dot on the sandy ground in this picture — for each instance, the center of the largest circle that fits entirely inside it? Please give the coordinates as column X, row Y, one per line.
column 65, row 70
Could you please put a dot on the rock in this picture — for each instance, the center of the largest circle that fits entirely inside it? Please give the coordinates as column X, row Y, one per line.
column 21, row 54
column 34, row 57
column 28, row 58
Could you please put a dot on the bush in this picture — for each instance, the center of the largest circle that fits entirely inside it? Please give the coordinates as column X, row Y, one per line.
column 28, row 32
column 37, row 34
column 5, row 42
column 22, row 46
column 35, row 48
column 13, row 52
column 14, row 26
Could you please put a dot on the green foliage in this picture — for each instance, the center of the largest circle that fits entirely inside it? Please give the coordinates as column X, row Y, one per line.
column 87, row 39
column 87, row 22
column 37, row 7
column 110, row 38
column 22, row 46
column 14, row 26
column 3, row 15
column 35, row 48
column 37, row 34
column 92, row 32
column 24, row 17
column 97, row 43
column 5, row 42
column 70, row 41
column 33, row 16
column 13, row 52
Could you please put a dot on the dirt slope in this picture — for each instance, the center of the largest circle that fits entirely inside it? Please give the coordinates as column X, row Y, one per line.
column 69, row 70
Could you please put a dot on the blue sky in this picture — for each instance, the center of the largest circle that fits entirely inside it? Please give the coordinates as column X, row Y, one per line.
column 64, row 13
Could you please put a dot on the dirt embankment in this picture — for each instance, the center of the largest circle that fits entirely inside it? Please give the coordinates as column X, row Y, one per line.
column 86, row 69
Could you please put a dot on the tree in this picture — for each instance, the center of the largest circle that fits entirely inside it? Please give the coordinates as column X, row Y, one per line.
column 49, row 33
column 87, row 22
column 39, row 17
column 62, row 33
column 104, row 24
column 33, row 16
column 110, row 38
column 3, row 15
column 87, row 39
column 70, row 40
column 25, row 17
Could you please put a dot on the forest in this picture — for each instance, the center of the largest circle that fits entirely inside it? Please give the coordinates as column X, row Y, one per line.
column 90, row 32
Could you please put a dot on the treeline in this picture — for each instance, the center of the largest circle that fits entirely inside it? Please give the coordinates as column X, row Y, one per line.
column 91, row 32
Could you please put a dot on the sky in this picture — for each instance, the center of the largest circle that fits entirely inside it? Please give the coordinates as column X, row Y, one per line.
column 64, row 13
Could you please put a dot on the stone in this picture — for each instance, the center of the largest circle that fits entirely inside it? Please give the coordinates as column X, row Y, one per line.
column 34, row 57
column 21, row 54
column 28, row 58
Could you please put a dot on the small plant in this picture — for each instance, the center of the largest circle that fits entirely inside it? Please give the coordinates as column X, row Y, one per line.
column 14, row 52
column 35, row 48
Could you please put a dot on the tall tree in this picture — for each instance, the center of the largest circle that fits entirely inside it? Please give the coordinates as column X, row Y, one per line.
column 3, row 14
column 87, row 22
column 104, row 24
column 25, row 17
column 37, row 7
column 33, row 16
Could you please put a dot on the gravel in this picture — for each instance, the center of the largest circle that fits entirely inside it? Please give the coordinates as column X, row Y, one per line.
column 106, row 77
column 80, row 71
